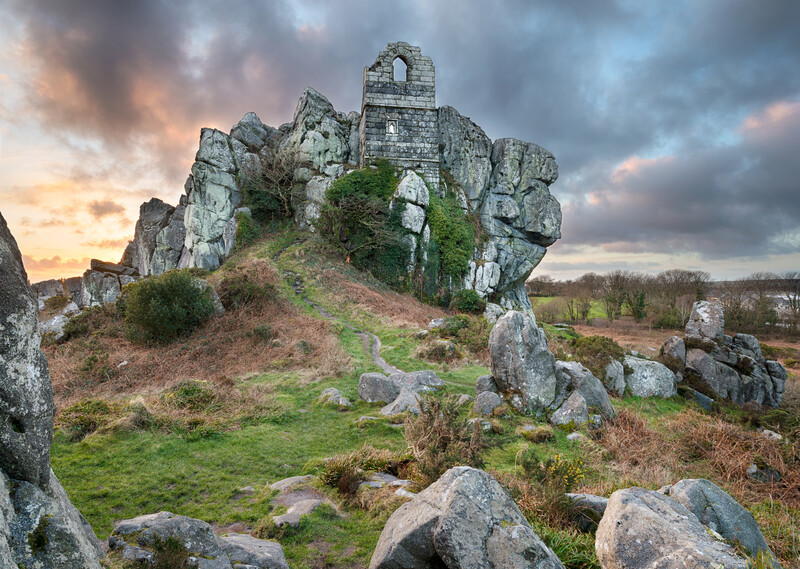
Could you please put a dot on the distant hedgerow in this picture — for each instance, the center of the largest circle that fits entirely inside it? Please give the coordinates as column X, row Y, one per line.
column 161, row 308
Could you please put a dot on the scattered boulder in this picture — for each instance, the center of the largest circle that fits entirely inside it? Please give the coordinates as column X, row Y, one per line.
column 135, row 539
column 26, row 402
column 464, row 519
column 406, row 401
column 649, row 378
column 296, row 511
column 245, row 552
column 332, row 396
column 376, row 387
column 522, row 366
column 573, row 411
column 485, row 383
column 54, row 327
column 288, row 483
column 587, row 510
column 675, row 348
column 718, row 511
column 574, row 377
column 486, row 402
column 644, row 529
column 614, row 378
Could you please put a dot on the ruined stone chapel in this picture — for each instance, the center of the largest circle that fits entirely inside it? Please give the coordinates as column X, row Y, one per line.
column 399, row 119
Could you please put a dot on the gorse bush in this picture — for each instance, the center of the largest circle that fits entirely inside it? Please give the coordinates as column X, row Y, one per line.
column 439, row 439
column 162, row 308
column 596, row 352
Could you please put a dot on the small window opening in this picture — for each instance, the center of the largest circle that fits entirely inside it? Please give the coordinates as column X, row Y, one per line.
column 391, row 126
column 399, row 71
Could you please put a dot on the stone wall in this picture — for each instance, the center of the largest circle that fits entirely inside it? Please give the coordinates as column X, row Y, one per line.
column 399, row 119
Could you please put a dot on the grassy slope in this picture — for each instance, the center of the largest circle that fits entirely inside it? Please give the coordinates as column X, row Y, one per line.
column 127, row 473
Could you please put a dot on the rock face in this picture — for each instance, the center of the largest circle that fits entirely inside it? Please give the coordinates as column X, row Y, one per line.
column 135, row 538
column 718, row 365
column 26, row 395
column 649, row 379
column 643, row 529
column 522, row 366
column 39, row 527
column 717, row 510
column 505, row 183
column 464, row 519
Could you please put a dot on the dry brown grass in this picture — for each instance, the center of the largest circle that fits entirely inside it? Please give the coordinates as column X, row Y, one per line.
column 226, row 346
column 400, row 309
column 691, row 444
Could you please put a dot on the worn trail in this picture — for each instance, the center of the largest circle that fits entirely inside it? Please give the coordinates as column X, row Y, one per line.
column 369, row 341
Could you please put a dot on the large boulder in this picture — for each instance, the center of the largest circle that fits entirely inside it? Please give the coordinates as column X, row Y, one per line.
column 135, row 538
column 376, row 387
column 464, row 519
column 643, row 529
column 706, row 321
column 572, row 412
column 26, row 396
column 213, row 195
column 169, row 241
column 522, row 366
column 39, row 527
column 648, row 378
column 154, row 216
column 319, row 135
column 718, row 511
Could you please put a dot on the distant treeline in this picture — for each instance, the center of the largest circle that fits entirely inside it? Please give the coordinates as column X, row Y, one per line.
column 759, row 302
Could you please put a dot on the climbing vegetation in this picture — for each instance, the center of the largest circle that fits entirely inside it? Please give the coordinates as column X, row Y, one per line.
column 453, row 232
column 356, row 221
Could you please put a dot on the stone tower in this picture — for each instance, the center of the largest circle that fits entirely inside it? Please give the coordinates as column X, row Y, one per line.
column 399, row 120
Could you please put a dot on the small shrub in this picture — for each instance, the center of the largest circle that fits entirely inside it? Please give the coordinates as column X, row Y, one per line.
column 790, row 362
column 695, row 342
column 87, row 322
column 438, row 350
column 56, row 303
column 439, row 439
column 596, row 352
column 96, row 368
column 468, row 301
column 452, row 324
column 262, row 333
column 162, row 308
column 366, row 458
column 192, row 395
column 304, row 347
column 557, row 470
column 247, row 231
column 540, row 434
column 242, row 287
column 169, row 553
column 84, row 418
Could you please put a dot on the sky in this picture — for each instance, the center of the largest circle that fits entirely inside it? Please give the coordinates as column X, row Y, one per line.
column 676, row 125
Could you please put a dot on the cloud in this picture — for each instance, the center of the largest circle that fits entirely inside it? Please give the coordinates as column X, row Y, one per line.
column 673, row 124
column 108, row 243
column 732, row 201
column 100, row 209
column 55, row 262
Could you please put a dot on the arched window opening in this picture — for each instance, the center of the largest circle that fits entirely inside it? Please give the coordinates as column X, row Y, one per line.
column 399, row 71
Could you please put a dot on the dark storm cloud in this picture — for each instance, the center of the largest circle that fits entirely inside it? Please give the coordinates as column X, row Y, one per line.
column 594, row 82
column 99, row 209
column 734, row 201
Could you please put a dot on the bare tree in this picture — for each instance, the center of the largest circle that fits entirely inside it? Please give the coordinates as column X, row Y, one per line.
column 788, row 288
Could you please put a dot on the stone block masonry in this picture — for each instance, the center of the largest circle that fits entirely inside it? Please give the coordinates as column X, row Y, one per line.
column 399, row 119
